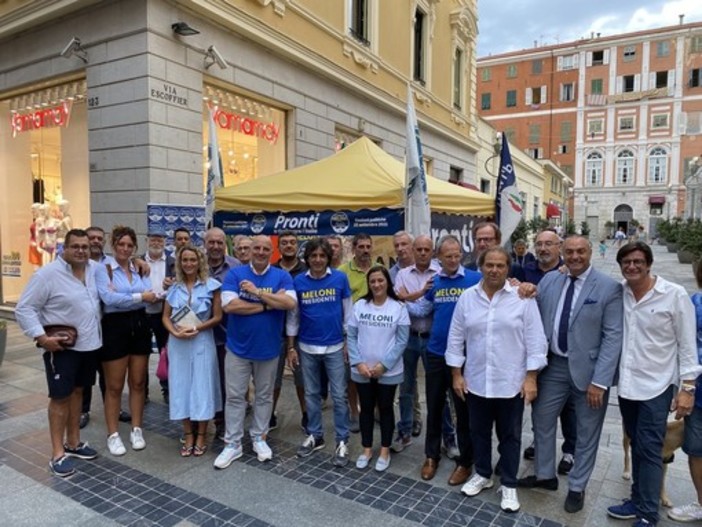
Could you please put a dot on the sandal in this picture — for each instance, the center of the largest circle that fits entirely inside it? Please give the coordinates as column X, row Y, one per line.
column 199, row 450
column 185, row 450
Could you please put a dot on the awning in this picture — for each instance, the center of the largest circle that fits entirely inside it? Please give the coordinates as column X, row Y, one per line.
column 656, row 200
column 552, row 211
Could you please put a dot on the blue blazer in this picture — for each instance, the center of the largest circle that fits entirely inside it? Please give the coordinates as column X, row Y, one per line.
column 595, row 331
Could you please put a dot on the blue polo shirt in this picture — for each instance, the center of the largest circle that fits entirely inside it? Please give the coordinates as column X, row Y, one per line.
column 533, row 274
column 320, row 302
column 259, row 336
column 444, row 295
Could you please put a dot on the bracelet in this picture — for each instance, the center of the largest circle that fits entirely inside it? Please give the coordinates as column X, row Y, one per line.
column 292, row 348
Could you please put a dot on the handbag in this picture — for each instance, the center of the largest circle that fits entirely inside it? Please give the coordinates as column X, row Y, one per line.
column 162, row 368
column 69, row 334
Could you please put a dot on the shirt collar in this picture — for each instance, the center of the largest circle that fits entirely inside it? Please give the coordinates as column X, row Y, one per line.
column 148, row 258
column 460, row 272
column 583, row 276
column 256, row 272
column 326, row 273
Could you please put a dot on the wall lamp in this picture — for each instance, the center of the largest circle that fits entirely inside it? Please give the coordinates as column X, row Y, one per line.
column 75, row 48
column 183, row 29
column 213, row 56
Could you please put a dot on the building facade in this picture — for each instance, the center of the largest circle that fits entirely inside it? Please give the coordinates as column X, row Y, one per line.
column 104, row 105
column 621, row 115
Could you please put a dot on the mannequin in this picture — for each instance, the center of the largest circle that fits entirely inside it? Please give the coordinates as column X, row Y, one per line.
column 47, row 233
column 65, row 223
column 35, row 257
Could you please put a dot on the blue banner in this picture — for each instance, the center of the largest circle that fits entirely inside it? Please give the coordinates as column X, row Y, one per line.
column 166, row 218
column 383, row 222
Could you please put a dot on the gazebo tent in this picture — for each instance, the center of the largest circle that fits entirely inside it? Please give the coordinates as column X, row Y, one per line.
column 361, row 176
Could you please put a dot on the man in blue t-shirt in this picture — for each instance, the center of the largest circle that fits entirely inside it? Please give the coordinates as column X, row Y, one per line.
column 323, row 307
column 255, row 297
column 448, row 284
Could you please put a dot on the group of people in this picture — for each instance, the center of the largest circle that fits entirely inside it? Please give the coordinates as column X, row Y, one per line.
column 493, row 336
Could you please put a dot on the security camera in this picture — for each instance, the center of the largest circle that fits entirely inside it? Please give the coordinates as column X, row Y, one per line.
column 213, row 56
column 74, row 47
column 70, row 47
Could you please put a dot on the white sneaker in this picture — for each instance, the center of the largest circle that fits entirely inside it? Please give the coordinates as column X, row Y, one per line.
column 476, row 484
column 115, row 445
column 136, row 437
column 510, row 501
column 262, row 449
column 691, row 512
column 231, row 453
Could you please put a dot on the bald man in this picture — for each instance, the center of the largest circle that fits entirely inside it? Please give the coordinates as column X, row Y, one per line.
column 255, row 297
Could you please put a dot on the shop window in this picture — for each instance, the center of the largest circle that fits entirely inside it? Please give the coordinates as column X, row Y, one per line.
column 44, row 178
column 250, row 134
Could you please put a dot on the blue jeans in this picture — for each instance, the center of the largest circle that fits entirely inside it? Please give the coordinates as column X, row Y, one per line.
column 416, row 349
column 645, row 423
column 312, row 367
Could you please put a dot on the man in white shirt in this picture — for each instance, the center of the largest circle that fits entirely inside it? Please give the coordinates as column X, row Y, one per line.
column 658, row 367
column 159, row 263
column 64, row 293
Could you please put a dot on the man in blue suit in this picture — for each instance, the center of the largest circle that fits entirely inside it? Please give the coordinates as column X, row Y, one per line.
column 582, row 316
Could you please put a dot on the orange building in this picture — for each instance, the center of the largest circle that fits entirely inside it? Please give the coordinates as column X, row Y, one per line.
column 621, row 115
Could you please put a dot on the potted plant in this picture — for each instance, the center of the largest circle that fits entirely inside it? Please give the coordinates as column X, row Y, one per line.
column 690, row 249
column 609, row 225
column 3, row 339
column 673, row 235
column 585, row 228
column 570, row 227
column 662, row 231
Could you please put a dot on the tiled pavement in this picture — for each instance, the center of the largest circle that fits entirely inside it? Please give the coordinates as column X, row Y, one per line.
column 157, row 487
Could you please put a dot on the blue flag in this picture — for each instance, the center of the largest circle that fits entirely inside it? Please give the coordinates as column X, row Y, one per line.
column 508, row 202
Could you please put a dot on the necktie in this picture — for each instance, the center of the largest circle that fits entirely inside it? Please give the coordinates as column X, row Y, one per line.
column 565, row 316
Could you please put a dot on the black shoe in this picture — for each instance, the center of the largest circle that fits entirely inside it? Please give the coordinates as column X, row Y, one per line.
column 566, row 464
column 273, row 422
column 530, row 482
column 164, row 393
column 125, row 417
column 416, row 428
column 84, row 420
column 574, row 501
column 529, row 452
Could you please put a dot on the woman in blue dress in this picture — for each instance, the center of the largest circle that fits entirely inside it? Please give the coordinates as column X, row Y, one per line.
column 191, row 310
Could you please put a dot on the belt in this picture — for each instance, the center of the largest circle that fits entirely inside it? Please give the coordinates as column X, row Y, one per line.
column 420, row 334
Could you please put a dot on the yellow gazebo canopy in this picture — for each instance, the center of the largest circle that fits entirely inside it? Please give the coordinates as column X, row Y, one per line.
column 361, row 176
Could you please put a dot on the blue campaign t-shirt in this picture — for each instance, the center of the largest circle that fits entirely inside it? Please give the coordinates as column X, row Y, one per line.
column 697, row 302
column 320, row 302
column 444, row 295
column 259, row 336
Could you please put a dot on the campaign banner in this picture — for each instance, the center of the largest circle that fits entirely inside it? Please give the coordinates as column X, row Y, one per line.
column 382, row 222
column 459, row 226
column 166, row 218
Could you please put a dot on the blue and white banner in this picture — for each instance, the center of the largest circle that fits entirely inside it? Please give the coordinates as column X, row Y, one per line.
column 381, row 222
column 167, row 218
column 508, row 201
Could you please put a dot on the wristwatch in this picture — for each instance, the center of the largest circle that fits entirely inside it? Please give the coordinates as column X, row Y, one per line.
column 688, row 388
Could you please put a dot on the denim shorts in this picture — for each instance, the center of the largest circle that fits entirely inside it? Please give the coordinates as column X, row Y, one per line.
column 692, row 445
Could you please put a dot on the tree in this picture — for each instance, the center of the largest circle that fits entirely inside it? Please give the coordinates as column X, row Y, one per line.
column 570, row 227
column 521, row 232
column 537, row 224
column 584, row 228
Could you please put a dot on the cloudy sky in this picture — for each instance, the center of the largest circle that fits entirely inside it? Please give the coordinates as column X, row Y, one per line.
column 508, row 25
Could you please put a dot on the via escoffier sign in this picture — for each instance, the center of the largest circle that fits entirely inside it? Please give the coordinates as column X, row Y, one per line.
column 48, row 117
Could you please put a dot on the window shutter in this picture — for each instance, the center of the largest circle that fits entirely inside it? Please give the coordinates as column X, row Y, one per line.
column 576, row 60
column 588, row 58
column 544, row 98
column 682, row 123
column 527, row 96
column 559, row 63
column 671, row 82
column 651, row 80
column 620, row 84
column 637, row 82
column 606, row 57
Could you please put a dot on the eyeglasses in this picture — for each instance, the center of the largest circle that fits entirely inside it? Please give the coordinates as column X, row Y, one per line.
column 546, row 244
column 485, row 240
column 635, row 263
column 77, row 248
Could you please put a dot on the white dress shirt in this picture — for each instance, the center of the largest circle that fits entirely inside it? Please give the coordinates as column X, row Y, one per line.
column 54, row 296
column 659, row 346
column 413, row 280
column 157, row 275
column 498, row 339
column 579, row 282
